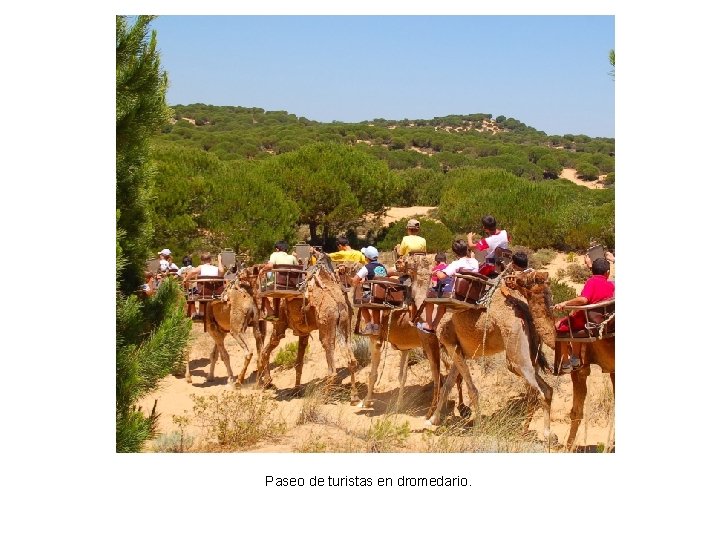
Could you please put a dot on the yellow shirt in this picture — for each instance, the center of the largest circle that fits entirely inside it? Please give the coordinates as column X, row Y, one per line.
column 412, row 243
column 348, row 255
column 280, row 257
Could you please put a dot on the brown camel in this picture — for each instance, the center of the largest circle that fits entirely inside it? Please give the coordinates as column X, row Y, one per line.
column 233, row 313
column 323, row 307
column 505, row 325
column 398, row 328
column 601, row 352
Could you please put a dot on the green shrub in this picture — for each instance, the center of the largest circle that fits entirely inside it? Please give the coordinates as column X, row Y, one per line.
column 235, row 420
column 385, row 434
column 286, row 356
column 361, row 350
column 579, row 273
column 561, row 292
column 542, row 258
column 437, row 235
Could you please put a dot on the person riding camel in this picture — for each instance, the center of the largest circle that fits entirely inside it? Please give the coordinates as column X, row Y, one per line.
column 596, row 289
column 496, row 238
column 412, row 242
column 372, row 270
column 279, row 256
column 345, row 253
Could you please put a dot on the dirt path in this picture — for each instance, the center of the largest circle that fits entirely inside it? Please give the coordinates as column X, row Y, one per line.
column 342, row 427
column 571, row 174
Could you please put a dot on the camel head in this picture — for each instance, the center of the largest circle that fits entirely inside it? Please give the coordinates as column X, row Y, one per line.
column 535, row 287
column 418, row 268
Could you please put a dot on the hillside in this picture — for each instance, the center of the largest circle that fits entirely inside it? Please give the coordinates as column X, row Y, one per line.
column 441, row 143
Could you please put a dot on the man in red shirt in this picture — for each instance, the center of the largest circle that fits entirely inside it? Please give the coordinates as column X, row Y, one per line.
column 597, row 288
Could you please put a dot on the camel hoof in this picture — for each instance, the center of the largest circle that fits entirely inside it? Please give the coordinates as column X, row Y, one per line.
column 365, row 404
column 188, row 379
column 464, row 411
column 432, row 421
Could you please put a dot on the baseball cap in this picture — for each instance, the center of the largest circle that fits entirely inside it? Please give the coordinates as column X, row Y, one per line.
column 413, row 223
column 165, row 252
column 370, row 252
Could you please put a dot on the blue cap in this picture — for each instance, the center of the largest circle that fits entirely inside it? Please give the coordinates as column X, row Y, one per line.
column 370, row 252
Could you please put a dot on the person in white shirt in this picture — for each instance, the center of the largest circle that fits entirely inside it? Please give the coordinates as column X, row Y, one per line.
column 464, row 262
column 206, row 269
column 279, row 256
column 164, row 263
column 495, row 238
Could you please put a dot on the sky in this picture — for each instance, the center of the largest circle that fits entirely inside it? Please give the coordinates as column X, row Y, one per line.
column 549, row 72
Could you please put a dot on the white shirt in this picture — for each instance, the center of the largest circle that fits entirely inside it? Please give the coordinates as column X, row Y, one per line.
column 164, row 265
column 492, row 242
column 209, row 270
column 463, row 263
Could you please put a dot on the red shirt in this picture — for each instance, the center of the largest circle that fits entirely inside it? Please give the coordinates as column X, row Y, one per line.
column 596, row 289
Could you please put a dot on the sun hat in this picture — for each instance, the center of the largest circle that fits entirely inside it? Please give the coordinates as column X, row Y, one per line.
column 413, row 223
column 165, row 252
column 370, row 252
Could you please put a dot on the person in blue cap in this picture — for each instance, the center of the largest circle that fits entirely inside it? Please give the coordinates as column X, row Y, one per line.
column 372, row 270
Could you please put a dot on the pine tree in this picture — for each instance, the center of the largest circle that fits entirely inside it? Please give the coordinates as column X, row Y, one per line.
column 152, row 333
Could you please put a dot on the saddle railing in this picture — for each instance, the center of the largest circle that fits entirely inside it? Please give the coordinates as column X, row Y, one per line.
column 599, row 323
column 381, row 294
column 466, row 292
column 283, row 282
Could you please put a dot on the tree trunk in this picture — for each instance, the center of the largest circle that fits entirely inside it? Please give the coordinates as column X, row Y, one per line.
column 313, row 233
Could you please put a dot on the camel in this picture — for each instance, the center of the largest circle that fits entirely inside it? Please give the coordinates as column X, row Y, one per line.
column 233, row 313
column 323, row 307
column 506, row 325
column 600, row 352
column 398, row 328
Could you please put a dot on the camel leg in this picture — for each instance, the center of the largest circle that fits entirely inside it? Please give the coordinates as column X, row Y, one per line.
column 579, row 380
column 435, row 413
column 225, row 355
column 375, row 345
column 431, row 347
column 462, row 368
column 302, row 345
column 213, row 359
column 241, row 377
column 327, row 339
column 463, row 409
column 402, row 376
column 263, row 369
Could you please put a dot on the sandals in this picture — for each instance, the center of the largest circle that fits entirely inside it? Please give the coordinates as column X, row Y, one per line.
column 425, row 328
column 573, row 364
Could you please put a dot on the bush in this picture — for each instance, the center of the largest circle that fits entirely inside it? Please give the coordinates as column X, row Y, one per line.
column 361, row 350
column 286, row 356
column 235, row 420
column 437, row 235
column 384, row 435
column 561, row 292
column 542, row 258
column 579, row 273
column 176, row 442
